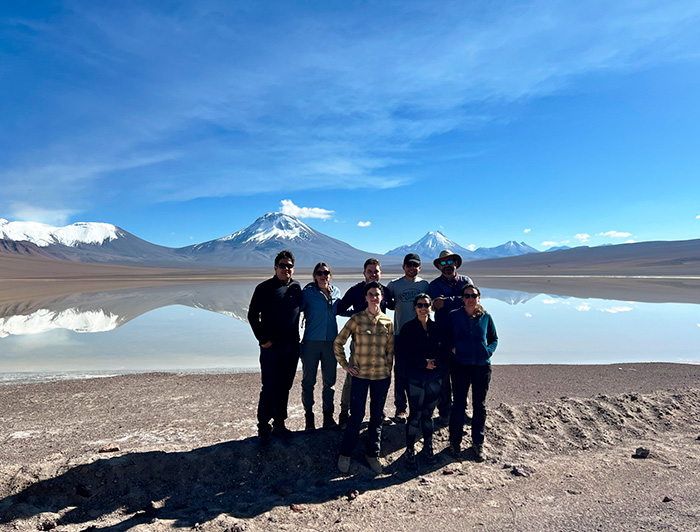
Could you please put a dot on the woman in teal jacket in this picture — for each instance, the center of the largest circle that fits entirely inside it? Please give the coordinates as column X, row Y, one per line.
column 471, row 339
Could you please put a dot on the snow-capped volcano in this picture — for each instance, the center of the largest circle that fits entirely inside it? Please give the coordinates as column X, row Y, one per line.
column 430, row 246
column 44, row 235
column 509, row 249
column 258, row 244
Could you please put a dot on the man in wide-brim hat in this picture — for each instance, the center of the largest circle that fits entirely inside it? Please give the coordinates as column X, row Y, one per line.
column 446, row 292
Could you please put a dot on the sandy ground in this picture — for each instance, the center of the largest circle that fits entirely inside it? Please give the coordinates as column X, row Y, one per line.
column 178, row 452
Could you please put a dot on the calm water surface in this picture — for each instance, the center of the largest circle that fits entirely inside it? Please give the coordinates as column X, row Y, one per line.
column 202, row 327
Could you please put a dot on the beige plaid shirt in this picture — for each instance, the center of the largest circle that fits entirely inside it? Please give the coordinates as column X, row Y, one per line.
column 372, row 345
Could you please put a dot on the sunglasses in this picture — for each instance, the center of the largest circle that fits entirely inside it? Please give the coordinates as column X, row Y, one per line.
column 412, row 265
column 447, row 262
column 324, row 273
column 422, row 305
column 285, row 265
column 472, row 296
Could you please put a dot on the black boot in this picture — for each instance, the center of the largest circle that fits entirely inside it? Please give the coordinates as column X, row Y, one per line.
column 310, row 422
column 343, row 419
column 328, row 421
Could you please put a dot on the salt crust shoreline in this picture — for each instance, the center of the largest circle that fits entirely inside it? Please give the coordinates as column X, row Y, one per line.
column 560, row 443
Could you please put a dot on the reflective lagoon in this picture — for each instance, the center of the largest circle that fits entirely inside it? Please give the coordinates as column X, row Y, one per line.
column 202, row 326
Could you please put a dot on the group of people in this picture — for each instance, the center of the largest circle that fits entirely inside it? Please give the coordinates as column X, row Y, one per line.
column 434, row 362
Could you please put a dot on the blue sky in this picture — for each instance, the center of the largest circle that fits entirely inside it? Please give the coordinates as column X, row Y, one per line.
column 538, row 121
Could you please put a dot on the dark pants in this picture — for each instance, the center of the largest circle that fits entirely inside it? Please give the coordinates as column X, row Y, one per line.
column 422, row 398
column 377, row 397
column 313, row 352
column 445, row 401
column 464, row 376
column 278, row 365
column 400, row 380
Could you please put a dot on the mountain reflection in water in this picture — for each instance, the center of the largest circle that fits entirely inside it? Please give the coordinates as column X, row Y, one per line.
column 538, row 320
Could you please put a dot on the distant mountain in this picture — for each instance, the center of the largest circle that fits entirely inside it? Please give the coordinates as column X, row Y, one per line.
column 557, row 248
column 509, row 249
column 90, row 242
column 257, row 245
column 430, row 246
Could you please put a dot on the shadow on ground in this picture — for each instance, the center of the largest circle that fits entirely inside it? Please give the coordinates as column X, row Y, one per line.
column 237, row 478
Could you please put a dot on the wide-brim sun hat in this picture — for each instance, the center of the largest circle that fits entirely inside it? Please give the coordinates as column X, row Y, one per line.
column 446, row 254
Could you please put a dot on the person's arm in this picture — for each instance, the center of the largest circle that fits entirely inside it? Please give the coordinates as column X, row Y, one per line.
column 390, row 347
column 491, row 336
column 339, row 344
column 389, row 296
column 347, row 303
column 255, row 310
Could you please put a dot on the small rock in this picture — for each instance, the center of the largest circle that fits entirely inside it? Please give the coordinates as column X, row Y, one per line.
column 425, row 480
column 698, row 438
column 522, row 471
column 353, row 494
column 667, row 499
column 298, row 508
column 109, row 448
column 641, row 452
column 573, row 492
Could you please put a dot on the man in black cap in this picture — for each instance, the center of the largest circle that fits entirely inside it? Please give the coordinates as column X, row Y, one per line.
column 400, row 294
column 446, row 292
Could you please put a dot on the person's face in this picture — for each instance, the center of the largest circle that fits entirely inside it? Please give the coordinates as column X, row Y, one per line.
column 470, row 302
column 448, row 268
column 373, row 296
column 372, row 273
column 411, row 269
column 322, row 276
column 422, row 307
column 284, row 270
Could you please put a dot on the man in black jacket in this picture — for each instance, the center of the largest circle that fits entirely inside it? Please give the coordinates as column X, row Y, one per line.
column 274, row 317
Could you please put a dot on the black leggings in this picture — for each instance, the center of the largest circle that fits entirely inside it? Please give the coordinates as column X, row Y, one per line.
column 422, row 398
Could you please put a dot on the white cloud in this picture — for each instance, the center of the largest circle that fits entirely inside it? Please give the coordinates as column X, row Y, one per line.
column 583, row 307
column 528, row 315
column 697, row 217
column 527, row 230
column 616, row 310
column 582, row 237
column 615, row 234
column 471, row 247
column 29, row 213
column 550, row 301
column 630, row 241
column 549, row 243
column 364, row 224
column 288, row 207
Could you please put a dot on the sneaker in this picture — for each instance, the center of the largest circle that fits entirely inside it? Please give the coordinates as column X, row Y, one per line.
column 479, row 453
column 428, row 455
column 343, row 464
column 374, row 465
column 328, row 421
column 411, row 459
column 401, row 417
column 455, row 450
column 310, row 422
column 343, row 419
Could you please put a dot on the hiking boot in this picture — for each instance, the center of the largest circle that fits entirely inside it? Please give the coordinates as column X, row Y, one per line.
column 343, row 464
column 411, row 459
column 428, row 455
column 401, row 416
column 343, row 419
column 328, row 421
column 310, row 422
column 374, row 465
column 455, row 450
column 281, row 431
column 479, row 453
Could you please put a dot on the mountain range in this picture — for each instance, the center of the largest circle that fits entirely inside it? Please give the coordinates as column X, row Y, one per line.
column 257, row 244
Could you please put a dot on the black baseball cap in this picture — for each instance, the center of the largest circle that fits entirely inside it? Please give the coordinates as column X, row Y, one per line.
column 411, row 257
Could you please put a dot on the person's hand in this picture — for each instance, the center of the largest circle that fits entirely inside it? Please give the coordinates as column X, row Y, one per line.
column 353, row 370
column 431, row 363
column 454, row 350
column 266, row 344
column 438, row 302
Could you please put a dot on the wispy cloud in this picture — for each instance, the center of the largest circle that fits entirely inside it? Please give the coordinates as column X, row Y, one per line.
column 526, row 230
column 615, row 234
column 549, row 243
column 616, row 310
column 288, row 207
column 32, row 213
column 697, row 217
column 471, row 247
column 224, row 99
column 582, row 237
column 364, row 224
